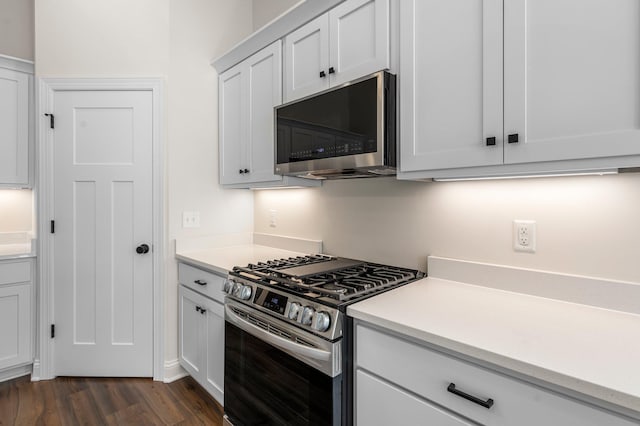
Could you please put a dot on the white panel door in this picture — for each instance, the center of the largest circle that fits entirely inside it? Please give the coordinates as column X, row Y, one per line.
column 572, row 79
column 14, row 127
column 307, row 60
column 264, row 73
column 103, row 212
column 359, row 39
column 450, row 84
column 232, row 113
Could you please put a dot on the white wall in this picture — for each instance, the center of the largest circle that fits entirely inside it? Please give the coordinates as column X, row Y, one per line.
column 173, row 40
column 16, row 28
column 16, row 207
column 585, row 225
column 264, row 11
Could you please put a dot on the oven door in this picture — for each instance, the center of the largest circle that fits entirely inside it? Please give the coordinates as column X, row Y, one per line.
column 270, row 379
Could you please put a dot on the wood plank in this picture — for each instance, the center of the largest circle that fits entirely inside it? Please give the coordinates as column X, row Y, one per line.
column 106, row 401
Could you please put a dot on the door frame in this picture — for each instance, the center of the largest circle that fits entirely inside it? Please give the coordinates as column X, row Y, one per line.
column 43, row 366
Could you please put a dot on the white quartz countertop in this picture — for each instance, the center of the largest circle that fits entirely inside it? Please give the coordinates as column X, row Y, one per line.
column 223, row 259
column 586, row 349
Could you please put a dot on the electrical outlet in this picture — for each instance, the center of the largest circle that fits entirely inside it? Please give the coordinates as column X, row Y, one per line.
column 191, row 219
column 273, row 218
column 524, row 235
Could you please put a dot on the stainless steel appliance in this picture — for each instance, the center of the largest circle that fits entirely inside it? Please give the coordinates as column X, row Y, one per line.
column 345, row 132
column 288, row 342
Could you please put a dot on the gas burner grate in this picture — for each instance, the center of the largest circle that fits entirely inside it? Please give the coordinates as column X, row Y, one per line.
column 347, row 284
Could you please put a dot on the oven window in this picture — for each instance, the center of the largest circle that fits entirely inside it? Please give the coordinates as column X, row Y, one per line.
column 265, row 386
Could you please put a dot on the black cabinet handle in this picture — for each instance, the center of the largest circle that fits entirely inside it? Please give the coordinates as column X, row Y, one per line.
column 200, row 282
column 241, row 171
column 142, row 249
column 491, row 141
column 204, row 311
column 331, row 70
column 486, row 404
column 513, row 138
column 323, row 74
column 246, row 170
column 198, row 308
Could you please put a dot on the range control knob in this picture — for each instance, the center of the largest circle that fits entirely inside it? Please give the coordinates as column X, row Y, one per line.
column 245, row 292
column 307, row 315
column 228, row 286
column 323, row 321
column 236, row 289
column 294, row 311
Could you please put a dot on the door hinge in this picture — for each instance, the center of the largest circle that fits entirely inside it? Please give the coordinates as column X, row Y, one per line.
column 53, row 331
column 52, row 120
column 53, row 226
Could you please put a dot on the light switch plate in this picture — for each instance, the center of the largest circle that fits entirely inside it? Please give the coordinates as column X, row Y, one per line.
column 191, row 219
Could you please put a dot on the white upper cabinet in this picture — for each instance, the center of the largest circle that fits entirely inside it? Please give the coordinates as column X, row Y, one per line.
column 572, row 79
column 348, row 42
column 15, row 123
column 307, row 59
column 232, row 109
column 451, row 88
column 566, row 98
column 248, row 93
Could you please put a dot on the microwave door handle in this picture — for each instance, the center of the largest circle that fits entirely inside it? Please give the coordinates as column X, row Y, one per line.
column 278, row 341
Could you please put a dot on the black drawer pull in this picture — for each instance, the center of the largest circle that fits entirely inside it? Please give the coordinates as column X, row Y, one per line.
column 513, row 138
column 199, row 282
column 486, row 404
column 331, row 70
column 491, row 141
column 323, row 74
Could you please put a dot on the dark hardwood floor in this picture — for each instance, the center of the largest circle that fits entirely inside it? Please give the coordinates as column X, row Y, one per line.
column 106, row 401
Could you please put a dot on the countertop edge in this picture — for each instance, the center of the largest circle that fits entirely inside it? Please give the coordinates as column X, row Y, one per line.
column 207, row 266
column 18, row 256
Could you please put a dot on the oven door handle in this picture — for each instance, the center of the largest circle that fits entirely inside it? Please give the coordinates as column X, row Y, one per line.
column 275, row 340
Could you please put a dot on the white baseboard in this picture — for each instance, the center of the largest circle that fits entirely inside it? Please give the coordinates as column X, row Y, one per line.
column 36, row 374
column 13, row 373
column 173, row 371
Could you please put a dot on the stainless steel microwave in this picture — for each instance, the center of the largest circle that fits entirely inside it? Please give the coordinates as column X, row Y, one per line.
column 345, row 132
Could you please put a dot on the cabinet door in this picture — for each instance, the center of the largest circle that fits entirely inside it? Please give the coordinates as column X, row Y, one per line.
column 14, row 127
column 15, row 325
column 264, row 76
column 572, row 79
column 380, row 403
column 233, row 116
column 306, row 57
column 215, row 349
column 191, row 332
column 358, row 39
column 451, row 84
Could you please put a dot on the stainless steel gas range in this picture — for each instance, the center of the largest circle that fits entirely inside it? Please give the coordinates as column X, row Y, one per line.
column 288, row 341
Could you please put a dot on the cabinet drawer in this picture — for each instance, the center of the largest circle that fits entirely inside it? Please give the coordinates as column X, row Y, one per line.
column 380, row 403
column 428, row 373
column 18, row 271
column 201, row 281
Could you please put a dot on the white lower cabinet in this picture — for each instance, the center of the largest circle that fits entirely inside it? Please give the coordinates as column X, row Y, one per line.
column 202, row 340
column 402, row 382
column 16, row 313
column 375, row 397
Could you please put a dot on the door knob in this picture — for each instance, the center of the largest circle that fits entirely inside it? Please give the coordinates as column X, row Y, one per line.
column 142, row 249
